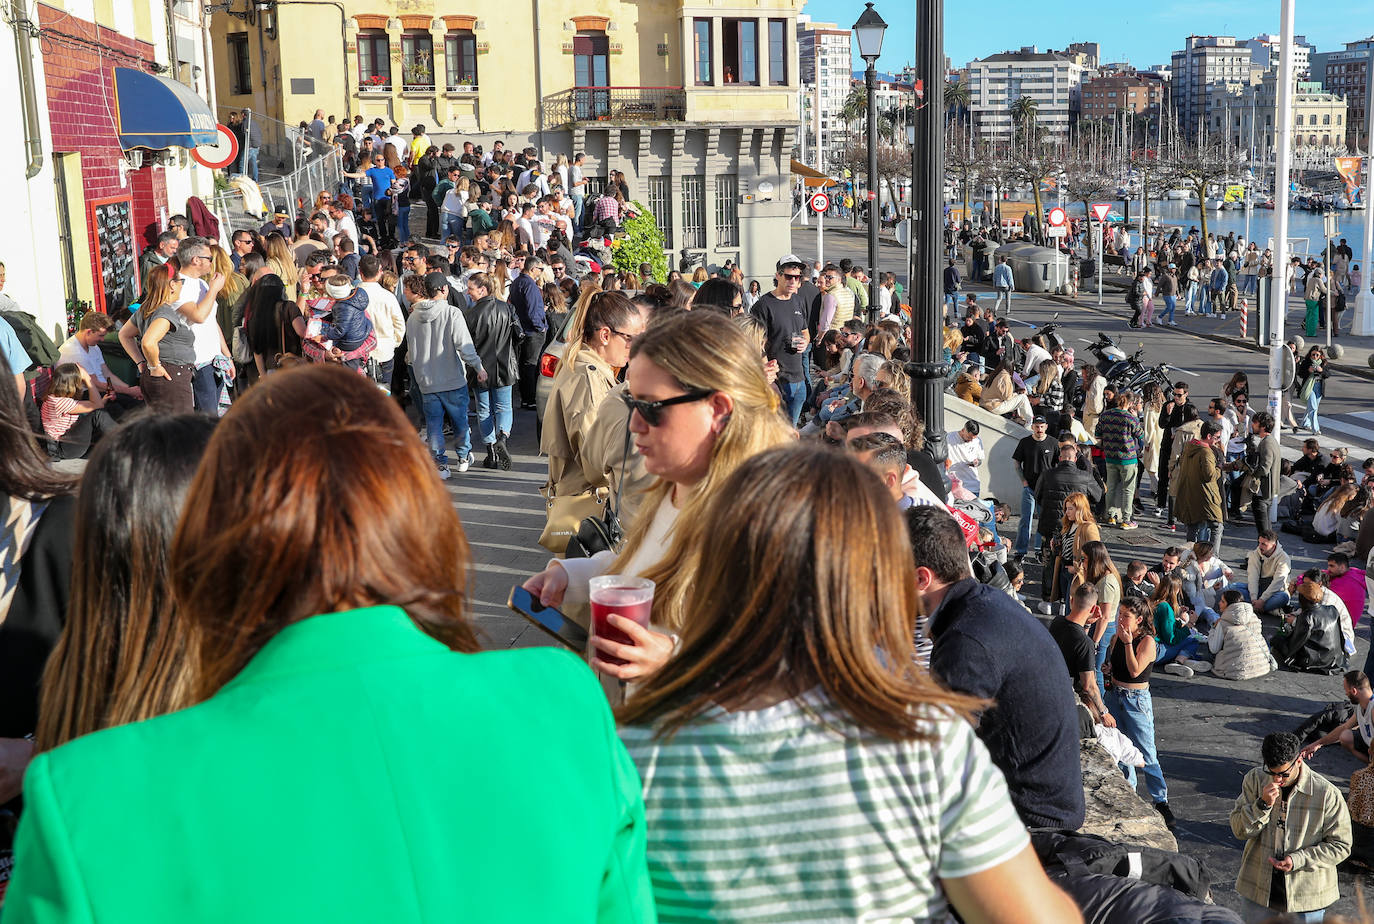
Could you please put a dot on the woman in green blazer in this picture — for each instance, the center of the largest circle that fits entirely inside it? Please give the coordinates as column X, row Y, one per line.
column 351, row 756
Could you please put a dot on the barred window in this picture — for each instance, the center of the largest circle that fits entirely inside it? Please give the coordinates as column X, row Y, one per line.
column 727, row 210
column 661, row 204
column 693, row 211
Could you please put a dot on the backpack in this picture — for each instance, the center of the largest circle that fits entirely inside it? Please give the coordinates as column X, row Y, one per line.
column 32, row 337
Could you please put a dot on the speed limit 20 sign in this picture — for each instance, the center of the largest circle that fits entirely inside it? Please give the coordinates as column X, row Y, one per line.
column 820, row 202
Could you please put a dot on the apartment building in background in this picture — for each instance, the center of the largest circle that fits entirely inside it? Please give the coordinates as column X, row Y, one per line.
column 1106, row 96
column 1264, row 53
column 825, row 57
column 696, row 102
column 1346, row 73
column 1204, row 61
column 1052, row 79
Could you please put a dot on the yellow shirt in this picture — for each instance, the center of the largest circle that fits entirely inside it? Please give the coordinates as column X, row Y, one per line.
column 418, row 146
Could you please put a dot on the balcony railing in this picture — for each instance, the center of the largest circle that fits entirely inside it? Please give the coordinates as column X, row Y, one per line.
column 616, row 104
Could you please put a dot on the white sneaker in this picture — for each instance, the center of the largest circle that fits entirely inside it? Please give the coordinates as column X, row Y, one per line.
column 465, row 463
column 1182, row 670
column 1044, row 609
column 1199, row 667
column 443, row 473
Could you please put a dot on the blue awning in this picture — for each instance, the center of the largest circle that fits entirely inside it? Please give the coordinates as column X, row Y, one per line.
column 154, row 112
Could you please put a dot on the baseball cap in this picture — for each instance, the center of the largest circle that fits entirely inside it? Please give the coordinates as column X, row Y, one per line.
column 280, row 214
column 435, row 280
column 1037, row 419
column 791, row 260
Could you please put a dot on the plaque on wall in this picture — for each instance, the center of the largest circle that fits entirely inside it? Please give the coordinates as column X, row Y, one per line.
column 112, row 230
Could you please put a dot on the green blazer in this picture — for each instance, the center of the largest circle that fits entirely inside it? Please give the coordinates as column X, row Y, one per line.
column 355, row 770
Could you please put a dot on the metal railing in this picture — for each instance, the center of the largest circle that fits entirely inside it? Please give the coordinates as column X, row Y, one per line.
column 293, row 193
column 285, row 148
column 615, row 104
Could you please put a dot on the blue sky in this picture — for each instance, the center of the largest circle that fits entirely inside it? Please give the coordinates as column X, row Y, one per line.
column 1143, row 34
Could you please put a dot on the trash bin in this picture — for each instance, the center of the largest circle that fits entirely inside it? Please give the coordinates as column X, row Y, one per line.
column 1037, row 269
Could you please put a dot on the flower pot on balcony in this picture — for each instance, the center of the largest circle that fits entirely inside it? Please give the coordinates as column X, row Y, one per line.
column 463, row 88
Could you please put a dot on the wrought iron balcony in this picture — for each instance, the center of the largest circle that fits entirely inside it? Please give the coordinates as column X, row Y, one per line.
column 615, row 104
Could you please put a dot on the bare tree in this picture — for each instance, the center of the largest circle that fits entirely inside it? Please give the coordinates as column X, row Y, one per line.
column 964, row 158
column 1199, row 167
column 1083, row 184
column 894, row 165
column 1034, row 165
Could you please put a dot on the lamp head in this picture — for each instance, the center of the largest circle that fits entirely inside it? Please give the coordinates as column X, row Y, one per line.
column 868, row 31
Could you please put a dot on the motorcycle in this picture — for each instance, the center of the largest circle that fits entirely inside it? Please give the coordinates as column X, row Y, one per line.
column 1045, row 335
column 1109, row 354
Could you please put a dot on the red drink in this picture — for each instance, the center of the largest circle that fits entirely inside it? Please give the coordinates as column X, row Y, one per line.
column 629, row 598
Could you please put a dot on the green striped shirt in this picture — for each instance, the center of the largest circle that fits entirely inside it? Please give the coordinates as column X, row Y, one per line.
column 772, row 815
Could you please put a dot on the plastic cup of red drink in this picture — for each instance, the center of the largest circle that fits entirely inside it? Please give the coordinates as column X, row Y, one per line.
column 617, row 594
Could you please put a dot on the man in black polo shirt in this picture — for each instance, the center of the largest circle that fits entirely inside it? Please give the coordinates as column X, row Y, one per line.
column 784, row 314
column 1070, row 633
column 987, row 645
column 1034, row 455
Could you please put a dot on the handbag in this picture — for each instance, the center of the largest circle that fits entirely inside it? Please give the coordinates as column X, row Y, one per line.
column 602, row 533
column 239, row 348
column 565, row 516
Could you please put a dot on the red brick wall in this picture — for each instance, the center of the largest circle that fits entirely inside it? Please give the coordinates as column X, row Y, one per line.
column 80, row 90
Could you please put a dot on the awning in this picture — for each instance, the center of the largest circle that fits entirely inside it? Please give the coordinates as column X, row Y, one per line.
column 810, row 175
column 154, row 112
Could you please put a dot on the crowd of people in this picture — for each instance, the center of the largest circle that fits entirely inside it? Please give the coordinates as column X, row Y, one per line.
column 837, row 705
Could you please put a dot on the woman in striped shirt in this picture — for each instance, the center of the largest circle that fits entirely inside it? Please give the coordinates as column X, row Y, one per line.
column 796, row 764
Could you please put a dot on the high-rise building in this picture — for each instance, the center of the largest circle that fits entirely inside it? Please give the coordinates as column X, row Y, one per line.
column 1051, row 79
column 825, row 63
column 1264, row 52
column 696, row 105
column 1346, row 73
column 1205, row 60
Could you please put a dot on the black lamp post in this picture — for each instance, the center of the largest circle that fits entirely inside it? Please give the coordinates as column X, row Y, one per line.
column 868, row 31
column 927, row 367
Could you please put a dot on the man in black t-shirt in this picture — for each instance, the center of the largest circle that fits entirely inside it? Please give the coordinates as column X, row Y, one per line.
column 1033, row 455
column 784, row 314
column 1080, row 654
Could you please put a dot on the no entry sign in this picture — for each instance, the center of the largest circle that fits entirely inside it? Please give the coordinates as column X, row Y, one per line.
column 820, row 202
column 220, row 154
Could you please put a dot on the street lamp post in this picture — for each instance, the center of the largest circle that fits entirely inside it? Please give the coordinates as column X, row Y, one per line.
column 927, row 367
column 868, row 31
column 1364, row 302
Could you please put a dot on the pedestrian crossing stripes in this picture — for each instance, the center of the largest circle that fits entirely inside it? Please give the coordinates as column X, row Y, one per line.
column 1358, row 427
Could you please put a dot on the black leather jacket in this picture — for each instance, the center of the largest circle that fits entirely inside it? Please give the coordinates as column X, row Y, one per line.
column 1057, row 484
column 496, row 335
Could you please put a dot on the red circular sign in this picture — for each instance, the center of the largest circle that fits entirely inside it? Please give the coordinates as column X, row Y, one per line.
column 820, row 202
column 1056, row 217
column 221, row 154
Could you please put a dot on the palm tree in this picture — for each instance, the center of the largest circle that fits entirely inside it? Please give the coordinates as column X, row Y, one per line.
column 888, row 122
column 855, row 108
column 1023, row 113
column 956, row 99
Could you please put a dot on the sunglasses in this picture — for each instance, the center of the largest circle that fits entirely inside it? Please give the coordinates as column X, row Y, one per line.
column 1280, row 774
column 791, row 275
column 652, row 411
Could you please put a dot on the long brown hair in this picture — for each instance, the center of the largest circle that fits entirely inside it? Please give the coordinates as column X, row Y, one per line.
column 315, row 494
column 1097, row 563
column 157, row 290
column 1169, row 591
column 123, row 655
column 702, row 349
column 817, row 593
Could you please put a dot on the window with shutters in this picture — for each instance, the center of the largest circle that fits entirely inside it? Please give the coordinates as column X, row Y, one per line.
column 240, row 72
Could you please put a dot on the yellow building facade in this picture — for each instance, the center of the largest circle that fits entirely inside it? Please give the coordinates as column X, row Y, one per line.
column 696, row 102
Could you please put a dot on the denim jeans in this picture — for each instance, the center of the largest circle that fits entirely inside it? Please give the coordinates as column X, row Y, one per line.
column 454, row 404
column 1207, row 531
column 1276, row 602
column 1003, row 296
column 1170, row 303
column 250, row 163
column 452, row 226
column 1191, row 299
column 493, row 412
column 1120, row 491
column 794, row 393
column 205, row 388
column 1026, row 530
column 1184, row 649
column 403, row 224
column 1310, row 419
column 1134, row 712
column 1103, row 647
column 577, row 199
